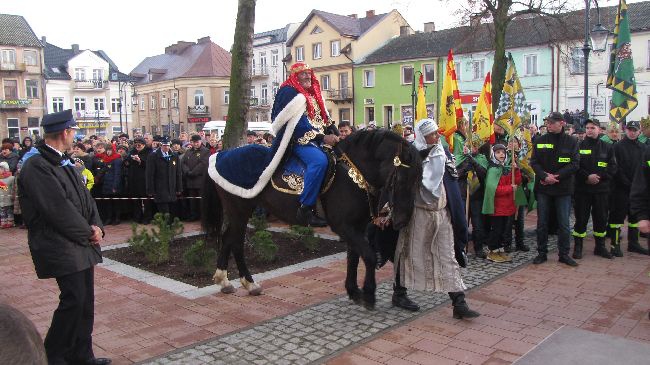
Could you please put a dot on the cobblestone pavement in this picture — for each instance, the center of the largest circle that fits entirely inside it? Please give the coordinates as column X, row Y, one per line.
column 317, row 332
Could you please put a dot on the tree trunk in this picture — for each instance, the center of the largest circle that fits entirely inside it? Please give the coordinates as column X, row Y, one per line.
column 240, row 75
column 500, row 62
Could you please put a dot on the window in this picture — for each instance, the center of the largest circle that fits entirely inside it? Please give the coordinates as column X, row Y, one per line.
column 428, row 72
column 99, row 104
column 274, row 58
column 368, row 78
column 530, row 64
column 9, row 57
column 98, row 74
column 276, row 87
column 407, row 75
column 33, row 126
column 11, row 89
column 300, row 54
column 316, row 51
column 116, row 130
column 175, row 100
column 142, row 103
column 79, row 74
column 13, row 128
column 163, row 101
column 226, row 96
column 264, row 94
column 457, row 68
column 577, row 62
column 370, row 114
column 31, row 87
column 198, row 97
column 316, row 30
column 325, row 82
column 57, row 105
column 152, row 102
column 478, row 68
column 30, row 57
column 252, row 91
column 115, row 105
column 253, row 71
column 263, row 63
column 79, row 104
column 335, row 48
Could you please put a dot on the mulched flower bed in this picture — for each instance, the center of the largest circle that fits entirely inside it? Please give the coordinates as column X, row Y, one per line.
column 289, row 252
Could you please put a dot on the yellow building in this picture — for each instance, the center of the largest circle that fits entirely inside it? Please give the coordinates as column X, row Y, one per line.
column 332, row 43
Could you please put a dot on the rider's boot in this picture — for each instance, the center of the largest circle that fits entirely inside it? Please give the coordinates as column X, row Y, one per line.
column 307, row 217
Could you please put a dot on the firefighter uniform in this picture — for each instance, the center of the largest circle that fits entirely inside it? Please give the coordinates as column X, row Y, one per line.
column 596, row 157
column 640, row 192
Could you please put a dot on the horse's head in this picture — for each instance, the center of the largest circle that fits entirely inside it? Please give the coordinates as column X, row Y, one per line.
column 390, row 164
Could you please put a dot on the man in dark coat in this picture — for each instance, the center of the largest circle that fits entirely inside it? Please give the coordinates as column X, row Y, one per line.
column 640, row 194
column 164, row 177
column 195, row 165
column 136, row 165
column 64, row 235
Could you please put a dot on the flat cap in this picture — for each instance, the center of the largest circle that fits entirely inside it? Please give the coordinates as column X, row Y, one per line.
column 56, row 122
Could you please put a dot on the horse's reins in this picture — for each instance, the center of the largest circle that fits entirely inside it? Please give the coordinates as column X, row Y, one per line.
column 357, row 177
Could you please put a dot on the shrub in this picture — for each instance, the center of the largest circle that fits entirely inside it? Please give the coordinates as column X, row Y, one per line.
column 155, row 243
column 200, row 256
column 305, row 235
column 258, row 222
column 264, row 246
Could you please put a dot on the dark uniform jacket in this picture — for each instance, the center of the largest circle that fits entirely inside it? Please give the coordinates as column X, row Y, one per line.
column 163, row 177
column 555, row 153
column 58, row 211
column 628, row 157
column 640, row 191
column 195, row 166
column 596, row 157
column 136, row 172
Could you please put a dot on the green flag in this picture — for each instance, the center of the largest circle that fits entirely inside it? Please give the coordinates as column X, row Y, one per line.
column 620, row 77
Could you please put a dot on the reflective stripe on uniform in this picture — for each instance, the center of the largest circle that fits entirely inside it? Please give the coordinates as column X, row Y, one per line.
column 544, row 145
column 602, row 164
column 633, row 225
column 648, row 163
column 564, row 159
column 614, row 225
column 581, row 235
column 600, row 234
column 585, row 152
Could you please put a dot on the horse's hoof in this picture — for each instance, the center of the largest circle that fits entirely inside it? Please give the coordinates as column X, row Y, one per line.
column 252, row 287
column 356, row 296
column 369, row 306
column 219, row 277
column 255, row 291
column 229, row 289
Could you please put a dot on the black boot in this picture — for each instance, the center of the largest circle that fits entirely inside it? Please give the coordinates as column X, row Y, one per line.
column 478, row 250
column 520, row 246
column 401, row 300
column 633, row 241
column 577, row 248
column 306, row 217
column 600, row 249
column 540, row 259
column 615, row 234
column 461, row 309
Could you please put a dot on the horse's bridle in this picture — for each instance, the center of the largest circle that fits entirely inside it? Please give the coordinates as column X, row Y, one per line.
column 357, row 177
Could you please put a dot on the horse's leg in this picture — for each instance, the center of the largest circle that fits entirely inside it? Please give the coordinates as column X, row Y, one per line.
column 369, row 283
column 221, row 274
column 351, row 286
column 236, row 236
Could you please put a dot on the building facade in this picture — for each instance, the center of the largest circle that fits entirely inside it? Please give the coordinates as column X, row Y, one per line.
column 267, row 70
column 21, row 75
column 331, row 43
column 182, row 89
column 89, row 83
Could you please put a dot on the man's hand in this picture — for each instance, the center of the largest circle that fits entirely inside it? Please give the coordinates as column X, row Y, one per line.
column 550, row 179
column 97, row 235
column 644, row 226
column 593, row 179
column 331, row 139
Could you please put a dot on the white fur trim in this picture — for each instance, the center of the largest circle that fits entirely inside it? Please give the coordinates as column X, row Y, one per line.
column 290, row 116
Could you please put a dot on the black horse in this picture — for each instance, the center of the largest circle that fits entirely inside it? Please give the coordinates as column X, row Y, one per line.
column 369, row 162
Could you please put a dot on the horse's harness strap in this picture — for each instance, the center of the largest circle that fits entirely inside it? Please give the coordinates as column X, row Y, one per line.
column 357, row 177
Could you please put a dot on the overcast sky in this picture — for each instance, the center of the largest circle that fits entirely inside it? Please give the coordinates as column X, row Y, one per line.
column 130, row 30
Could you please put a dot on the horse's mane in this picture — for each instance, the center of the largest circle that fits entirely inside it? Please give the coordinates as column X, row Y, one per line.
column 372, row 139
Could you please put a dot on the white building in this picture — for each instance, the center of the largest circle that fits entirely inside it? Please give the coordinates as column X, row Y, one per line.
column 267, row 70
column 89, row 83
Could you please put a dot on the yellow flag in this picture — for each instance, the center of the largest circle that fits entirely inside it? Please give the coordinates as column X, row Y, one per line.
column 451, row 110
column 483, row 119
column 421, row 109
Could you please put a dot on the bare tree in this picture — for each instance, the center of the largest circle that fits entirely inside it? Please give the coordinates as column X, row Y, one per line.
column 240, row 74
column 501, row 13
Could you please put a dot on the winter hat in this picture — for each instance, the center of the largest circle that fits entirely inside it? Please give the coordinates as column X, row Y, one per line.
column 498, row 146
column 427, row 126
column 4, row 165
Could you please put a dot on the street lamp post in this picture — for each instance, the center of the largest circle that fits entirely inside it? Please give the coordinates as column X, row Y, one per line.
column 597, row 39
column 121, row 84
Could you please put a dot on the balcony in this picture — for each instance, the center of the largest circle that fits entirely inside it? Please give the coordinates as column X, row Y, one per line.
column 15, row 103
column 340, row 95
column 260, row 72
column 198, row 110
column 16, row 66
column 260, row 103
column 90, row 84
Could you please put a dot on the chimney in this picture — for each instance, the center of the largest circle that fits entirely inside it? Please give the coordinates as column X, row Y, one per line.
column 178, row 47
column 44, row 40
column 353, row 16
column 429, row 27
column 370, row 13
column 404, row 30
column 75, row 48
column 203, row 40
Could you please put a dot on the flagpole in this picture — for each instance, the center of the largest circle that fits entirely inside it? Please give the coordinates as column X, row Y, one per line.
column 469, row 123
column 512, row 170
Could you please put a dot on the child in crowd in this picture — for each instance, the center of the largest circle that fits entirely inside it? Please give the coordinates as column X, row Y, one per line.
column 86, row 175
column 6, row 196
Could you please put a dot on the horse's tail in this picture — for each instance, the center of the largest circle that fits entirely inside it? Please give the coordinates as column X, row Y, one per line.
column 211, row 211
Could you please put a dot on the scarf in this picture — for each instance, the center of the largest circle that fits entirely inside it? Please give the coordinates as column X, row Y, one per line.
column 314, row 91
column 106, row 158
